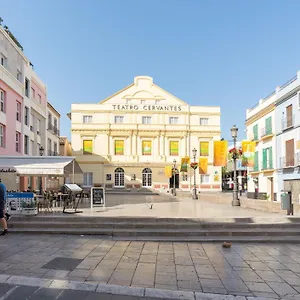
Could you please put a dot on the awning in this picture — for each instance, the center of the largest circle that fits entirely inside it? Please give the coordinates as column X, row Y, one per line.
column 40, row 165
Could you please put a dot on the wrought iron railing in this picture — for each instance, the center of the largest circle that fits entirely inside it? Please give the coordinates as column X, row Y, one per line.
column 287, row 122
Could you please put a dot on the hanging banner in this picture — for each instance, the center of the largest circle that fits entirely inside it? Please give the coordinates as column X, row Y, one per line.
column 203, row 164
column 220, row 153
column 204, row 148
column 185, row 161
column 248, row 149
column 168, row 171
column 146, row 147
column 174, row 148
column 119, row 147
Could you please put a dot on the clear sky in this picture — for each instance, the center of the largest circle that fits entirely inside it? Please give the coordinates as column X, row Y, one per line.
column 222, row 53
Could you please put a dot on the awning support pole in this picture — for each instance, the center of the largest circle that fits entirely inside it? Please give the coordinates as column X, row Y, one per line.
column 73, row 171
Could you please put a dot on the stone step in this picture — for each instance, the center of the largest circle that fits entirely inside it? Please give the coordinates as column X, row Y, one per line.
column 261, row 238
column 150, row 226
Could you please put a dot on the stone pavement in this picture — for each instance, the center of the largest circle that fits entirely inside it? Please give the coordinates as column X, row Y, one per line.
column 260, row 270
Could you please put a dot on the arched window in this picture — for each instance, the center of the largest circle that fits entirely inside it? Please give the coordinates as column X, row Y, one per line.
column 147, row 177
column 119, row 177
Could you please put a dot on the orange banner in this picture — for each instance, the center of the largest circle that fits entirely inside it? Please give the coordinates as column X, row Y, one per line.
column 168, row 171
column 203, row 164
column 220, row 153
column 248, row 148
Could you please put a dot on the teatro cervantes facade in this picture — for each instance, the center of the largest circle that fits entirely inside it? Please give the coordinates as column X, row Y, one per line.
column 128, row 139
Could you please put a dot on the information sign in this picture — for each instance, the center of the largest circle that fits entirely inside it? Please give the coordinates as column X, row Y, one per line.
column 97, row 197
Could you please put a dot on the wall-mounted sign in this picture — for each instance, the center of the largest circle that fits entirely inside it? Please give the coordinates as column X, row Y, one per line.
column 147, row 107
column 108, row 177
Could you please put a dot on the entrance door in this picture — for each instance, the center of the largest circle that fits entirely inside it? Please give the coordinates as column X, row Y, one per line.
column 147, row 177
column 119, row 178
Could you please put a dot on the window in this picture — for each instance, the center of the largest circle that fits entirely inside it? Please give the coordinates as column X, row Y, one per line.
column 32, row 147
column 33, row 92
column 32, row 122
column 2, row 136
column 87, row 147
column 55, row 125
column 289, row 116
column 119, row 147
column 289, row 153
column 267, row 156
column 119, row 119
column 203, row 121
column 204, row 148
column 88, row 179
column 26, row 115
column 174, row 148
column 268, row 124
column 3, row 60
column 26, row 144
column 205, row 178
column 87, row 119
column 27, row 87
column 49, row 147
column 19, row 76
column 146, row 120
column 146, row 147
column 18, row 138
column 2, row 100
column 38, row 126
column 40, row 98
column 18, row 115
column 38, row 148
column 256, row 168
column 173, row 120
column 55, row 149
column 49, row 122
column 255, row 132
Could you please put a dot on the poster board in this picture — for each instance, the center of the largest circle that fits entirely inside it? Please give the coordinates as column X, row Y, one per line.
column 97, row 197
column 21, row 203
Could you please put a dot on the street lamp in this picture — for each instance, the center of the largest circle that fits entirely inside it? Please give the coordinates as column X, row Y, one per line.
column 174, row 178
column 194, row 196
column 41, row 149
column 236, row 200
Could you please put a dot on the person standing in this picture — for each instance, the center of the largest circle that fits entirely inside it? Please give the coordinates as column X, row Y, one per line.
column 2, row 208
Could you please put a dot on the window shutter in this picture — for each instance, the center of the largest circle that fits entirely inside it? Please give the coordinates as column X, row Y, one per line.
column 270, row 157
column 268, row 125
column 264, row 153
column 256, row 161
column 255, row 132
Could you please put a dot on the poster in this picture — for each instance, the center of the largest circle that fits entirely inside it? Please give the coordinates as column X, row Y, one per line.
column 248, row 149
column 203, row 164
column 216, row 176
column 87, row 146
column 21, row 203
column 119, row 147
column 168, row 171
column 97, row 197
column 185, row 161
column 204, row 148
column 220, row 153
column 174, row 148
column 146, row 147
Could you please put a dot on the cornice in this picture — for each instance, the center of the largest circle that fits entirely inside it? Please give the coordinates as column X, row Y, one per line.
column 260, row 114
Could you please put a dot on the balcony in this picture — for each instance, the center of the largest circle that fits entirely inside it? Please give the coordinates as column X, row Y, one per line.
column 290, row 162
column 266, row 133
column 267, row 165
column 53, row 129
column 287, row 122
column 52, row 153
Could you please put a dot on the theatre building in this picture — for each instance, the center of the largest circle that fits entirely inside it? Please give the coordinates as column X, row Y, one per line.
column 128, row 139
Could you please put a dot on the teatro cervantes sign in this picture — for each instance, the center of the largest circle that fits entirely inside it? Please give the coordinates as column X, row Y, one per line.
column 146, row 107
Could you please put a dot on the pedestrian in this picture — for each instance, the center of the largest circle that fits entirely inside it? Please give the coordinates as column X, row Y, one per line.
column 241, row 189
column 3, row 215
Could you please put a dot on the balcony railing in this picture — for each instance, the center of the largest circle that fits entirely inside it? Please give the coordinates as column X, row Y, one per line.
column 53, row 129
column 289, row 162
column 267, row 165
column 52, row 153
column 287, row 122
column 265, row 131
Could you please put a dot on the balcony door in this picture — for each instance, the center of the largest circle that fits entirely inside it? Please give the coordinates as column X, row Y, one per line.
column 289, row 116
column 289, row 153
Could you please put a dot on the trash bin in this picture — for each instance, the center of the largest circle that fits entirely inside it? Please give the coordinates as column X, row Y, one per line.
column 286, row 202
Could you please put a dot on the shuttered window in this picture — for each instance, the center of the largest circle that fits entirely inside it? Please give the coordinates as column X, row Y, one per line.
column 289, row 153
column 255, row 161
column 268, row 123
column 289, row 116
column 255, row 132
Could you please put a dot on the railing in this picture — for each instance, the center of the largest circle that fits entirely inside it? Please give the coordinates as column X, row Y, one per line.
column 288, row 82
column 265, row 131
column 50, row 126
column 288, row 162
column 53, row 129
column 52, row 153
column 267, row 165
column 287, row 122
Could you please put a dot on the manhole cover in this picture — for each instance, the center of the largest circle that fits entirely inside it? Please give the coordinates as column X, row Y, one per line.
column 63, row 263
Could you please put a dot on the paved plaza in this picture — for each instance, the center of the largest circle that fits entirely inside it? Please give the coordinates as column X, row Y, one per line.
column 246, row 270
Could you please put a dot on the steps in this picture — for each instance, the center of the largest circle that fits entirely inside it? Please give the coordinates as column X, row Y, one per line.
column 202, row 230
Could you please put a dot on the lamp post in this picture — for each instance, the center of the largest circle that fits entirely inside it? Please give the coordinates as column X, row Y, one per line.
column 235, row 200
column 174, row 178
column 194, row 196
column 40, row 178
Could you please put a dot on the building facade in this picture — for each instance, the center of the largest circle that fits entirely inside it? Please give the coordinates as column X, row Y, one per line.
column 288, row 137
column 126, row 140
column 23, row 109
column 53, row 120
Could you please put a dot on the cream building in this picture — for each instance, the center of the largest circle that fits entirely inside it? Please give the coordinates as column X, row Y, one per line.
column 126, row 140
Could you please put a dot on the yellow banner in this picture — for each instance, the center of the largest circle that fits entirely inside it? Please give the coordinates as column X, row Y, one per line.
column 119, row 147
column 146, row 147
column 174, row 148
column 203, row 164
column 204, row 148
column 298, row 145
column 87, row 146
column 248, row 148
column 185, row 161
column 220, row 153
column 168, row 171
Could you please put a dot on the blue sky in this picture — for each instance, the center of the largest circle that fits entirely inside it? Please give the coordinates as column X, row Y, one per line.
column 221, row 53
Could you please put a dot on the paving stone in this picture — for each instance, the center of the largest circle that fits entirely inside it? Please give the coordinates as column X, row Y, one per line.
column 269, row 276
column 156, row 293
column 46, row 294
column 147, row 259
column 165, row 279
column 189, row 286
column 63, row 263
column 208, row 296
column 214, row 290
column 4, row 288
column 166, row 287
column 235, row 285
column 258, row 287
column 265, row 295
column 282, row 288
column 21, row 292
column 249, row 276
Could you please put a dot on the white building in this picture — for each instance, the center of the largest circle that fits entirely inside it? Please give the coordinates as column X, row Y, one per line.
column 127, row 139
column 53, row 133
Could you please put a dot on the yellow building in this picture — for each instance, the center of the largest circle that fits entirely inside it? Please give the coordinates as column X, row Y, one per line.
column 126, row 140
